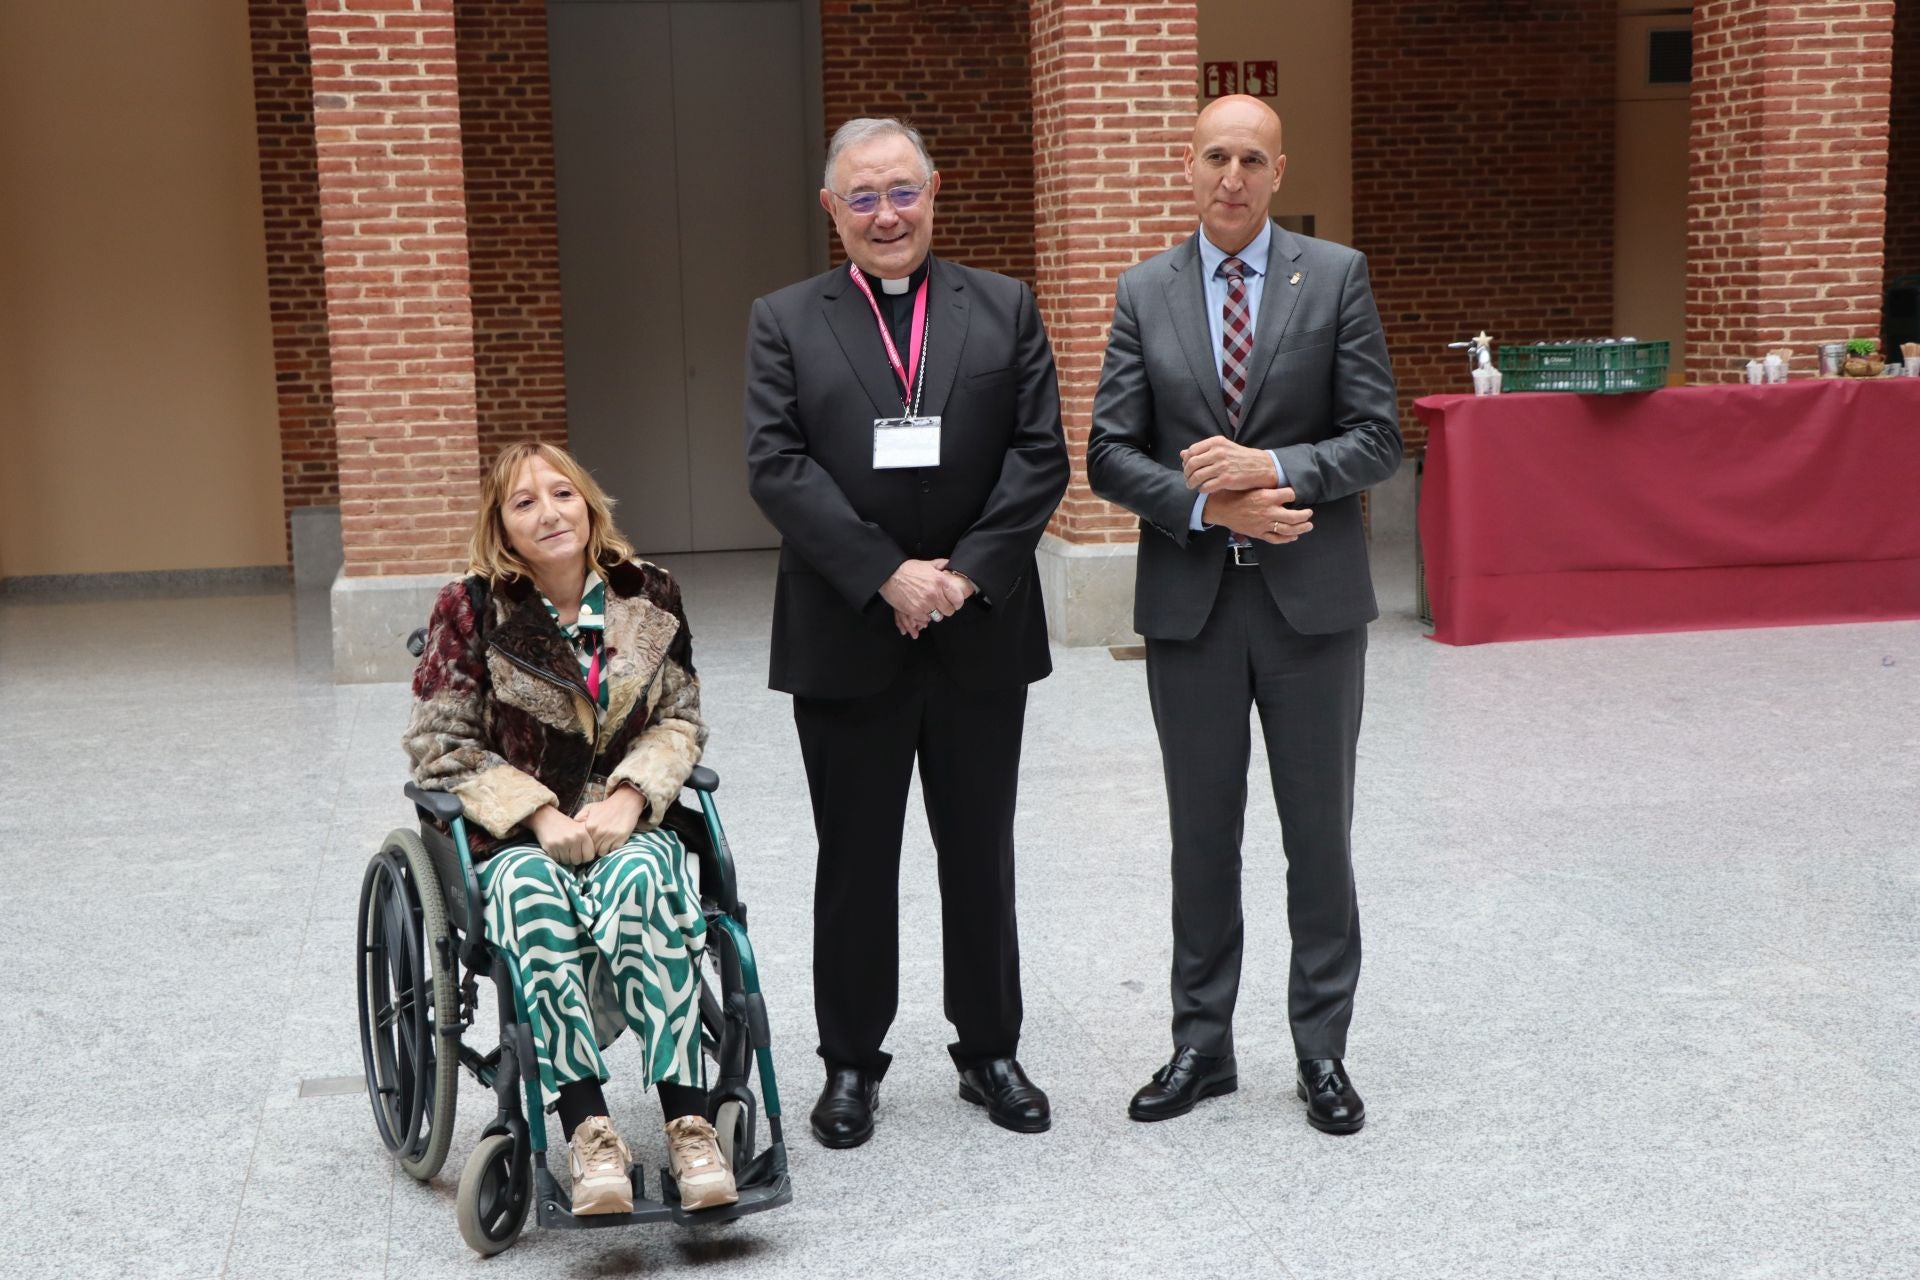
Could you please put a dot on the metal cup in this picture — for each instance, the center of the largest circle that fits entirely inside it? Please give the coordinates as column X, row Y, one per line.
column 1833, row 355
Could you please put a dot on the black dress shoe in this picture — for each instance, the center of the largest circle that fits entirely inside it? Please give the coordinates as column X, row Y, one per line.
column 1332, row 1104
column 1182, row 1083
column 1012, row 1101
column 844, row 1115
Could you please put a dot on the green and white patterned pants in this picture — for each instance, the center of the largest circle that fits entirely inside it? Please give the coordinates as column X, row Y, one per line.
column 635, row 911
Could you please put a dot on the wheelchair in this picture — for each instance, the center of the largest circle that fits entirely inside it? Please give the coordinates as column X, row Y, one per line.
column 422, row 952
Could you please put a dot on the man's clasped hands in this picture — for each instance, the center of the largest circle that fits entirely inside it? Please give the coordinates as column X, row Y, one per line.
column 923, row 592
column 1240, row 484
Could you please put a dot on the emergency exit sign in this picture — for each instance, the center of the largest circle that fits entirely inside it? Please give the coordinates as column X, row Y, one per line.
column 1218, row 79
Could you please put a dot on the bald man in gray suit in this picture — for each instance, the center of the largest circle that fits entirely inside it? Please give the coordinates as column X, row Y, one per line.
column 1245, row 402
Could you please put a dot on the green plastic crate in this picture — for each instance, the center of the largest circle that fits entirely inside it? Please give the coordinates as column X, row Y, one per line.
column 1603, row 368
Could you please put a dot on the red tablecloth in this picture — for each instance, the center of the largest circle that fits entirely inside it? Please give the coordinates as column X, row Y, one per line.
column 1685, row 509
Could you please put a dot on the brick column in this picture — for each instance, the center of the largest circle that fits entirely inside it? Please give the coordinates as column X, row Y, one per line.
column 513, row 222
column 1787, row 194
column 965, row 87
column 296, row 289
column 1113, row 102
column 400, row 327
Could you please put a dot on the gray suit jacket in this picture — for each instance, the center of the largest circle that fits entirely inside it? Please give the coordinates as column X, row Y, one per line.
column 1319, row 392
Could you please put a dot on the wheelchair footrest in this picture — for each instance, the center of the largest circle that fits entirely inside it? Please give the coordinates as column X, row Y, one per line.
column 764, row 1184
column 554, row 1206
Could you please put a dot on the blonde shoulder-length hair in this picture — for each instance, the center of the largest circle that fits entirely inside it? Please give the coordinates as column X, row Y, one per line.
column 489, row 552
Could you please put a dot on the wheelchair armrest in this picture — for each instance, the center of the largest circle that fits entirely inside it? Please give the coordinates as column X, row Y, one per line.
column 703, row 779
column 443, row 805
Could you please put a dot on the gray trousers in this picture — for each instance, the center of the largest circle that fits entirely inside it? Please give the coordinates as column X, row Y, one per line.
column 1308, row 690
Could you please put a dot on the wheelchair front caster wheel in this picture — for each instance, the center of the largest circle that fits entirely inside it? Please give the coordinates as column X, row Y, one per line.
column 490, row 1215
column 733, row 1126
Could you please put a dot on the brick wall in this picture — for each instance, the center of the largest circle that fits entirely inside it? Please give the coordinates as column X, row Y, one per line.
column 1113, row 105
column 506, row 129
column 296, row 287
column 1482, row 177
column 1786, row 197
column 393, row 223
column 958, row 73
column 1903, row 146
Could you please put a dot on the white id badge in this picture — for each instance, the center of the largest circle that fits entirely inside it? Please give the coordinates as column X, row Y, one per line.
column 905, row 442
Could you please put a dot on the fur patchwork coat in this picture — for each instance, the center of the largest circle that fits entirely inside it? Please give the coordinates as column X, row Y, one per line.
column 501, row 716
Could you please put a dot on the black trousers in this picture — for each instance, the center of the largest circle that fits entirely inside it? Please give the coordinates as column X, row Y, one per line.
column 1308, row 691
column 859, row 755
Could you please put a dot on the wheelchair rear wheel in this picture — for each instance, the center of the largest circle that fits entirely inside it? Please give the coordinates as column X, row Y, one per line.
column 406, row 989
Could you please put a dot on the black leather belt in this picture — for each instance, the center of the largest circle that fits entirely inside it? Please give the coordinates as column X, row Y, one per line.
column 1241, row 555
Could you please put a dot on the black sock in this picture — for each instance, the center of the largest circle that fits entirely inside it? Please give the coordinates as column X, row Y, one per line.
column 579, row 1100
column 678, row 1100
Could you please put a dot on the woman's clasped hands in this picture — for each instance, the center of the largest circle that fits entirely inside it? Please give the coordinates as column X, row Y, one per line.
column 599, row 828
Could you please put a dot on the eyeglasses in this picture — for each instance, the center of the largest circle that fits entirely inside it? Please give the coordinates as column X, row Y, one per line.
column 866, row 202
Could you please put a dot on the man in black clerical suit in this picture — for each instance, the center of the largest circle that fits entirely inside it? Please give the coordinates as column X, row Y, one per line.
column 903, row 435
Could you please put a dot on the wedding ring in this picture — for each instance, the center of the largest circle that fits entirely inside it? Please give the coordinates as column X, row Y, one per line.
column 935, row 616
column 1274, row 528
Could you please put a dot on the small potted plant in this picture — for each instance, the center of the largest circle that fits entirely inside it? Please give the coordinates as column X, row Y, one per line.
column 1863, row 359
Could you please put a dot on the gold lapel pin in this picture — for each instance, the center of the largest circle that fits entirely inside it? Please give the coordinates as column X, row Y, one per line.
column 1294, row 278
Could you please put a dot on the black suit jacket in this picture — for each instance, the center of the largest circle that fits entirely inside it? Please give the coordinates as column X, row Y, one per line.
column 817, row 377
column 1319, row 392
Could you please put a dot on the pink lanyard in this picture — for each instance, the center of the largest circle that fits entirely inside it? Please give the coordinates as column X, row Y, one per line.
column 916, row 333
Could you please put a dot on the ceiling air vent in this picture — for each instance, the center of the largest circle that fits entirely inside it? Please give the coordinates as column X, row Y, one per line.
column 1670, row 56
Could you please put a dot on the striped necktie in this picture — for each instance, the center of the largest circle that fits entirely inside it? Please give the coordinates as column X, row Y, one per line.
column 1236, row 335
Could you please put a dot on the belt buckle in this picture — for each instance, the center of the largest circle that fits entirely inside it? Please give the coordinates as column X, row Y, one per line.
column 1243, row 555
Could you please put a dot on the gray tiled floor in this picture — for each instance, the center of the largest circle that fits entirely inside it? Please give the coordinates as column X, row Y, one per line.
column 1640, row 995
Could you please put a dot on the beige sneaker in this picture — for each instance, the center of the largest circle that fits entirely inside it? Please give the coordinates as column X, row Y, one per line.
column 598, row 1162
column 700, row 1171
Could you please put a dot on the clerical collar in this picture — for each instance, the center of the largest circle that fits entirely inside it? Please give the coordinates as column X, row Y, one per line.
column 912, row 282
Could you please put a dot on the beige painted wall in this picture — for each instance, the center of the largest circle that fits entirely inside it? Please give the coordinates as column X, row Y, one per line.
column 1312, row 40
column 1650, row 194
column 137, row 382
column 12, row 437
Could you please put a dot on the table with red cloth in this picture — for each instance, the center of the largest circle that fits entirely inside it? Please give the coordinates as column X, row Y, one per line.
column 1685, row 509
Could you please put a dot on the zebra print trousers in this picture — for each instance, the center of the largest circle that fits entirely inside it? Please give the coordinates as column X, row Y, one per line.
column 637, row 912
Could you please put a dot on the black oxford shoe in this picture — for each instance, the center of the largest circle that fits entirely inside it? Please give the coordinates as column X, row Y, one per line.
column 1333, row 1106
column 1012, row 1101
column 1180, row 1085
column 844, row 1115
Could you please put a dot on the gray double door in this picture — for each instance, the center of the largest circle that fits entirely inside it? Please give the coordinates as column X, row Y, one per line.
column 687, row 160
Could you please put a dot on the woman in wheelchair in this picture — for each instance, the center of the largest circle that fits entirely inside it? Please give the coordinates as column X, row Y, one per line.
column 556, row 698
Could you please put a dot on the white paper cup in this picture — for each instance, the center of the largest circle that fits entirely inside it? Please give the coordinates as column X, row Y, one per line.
column 1913, row 366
